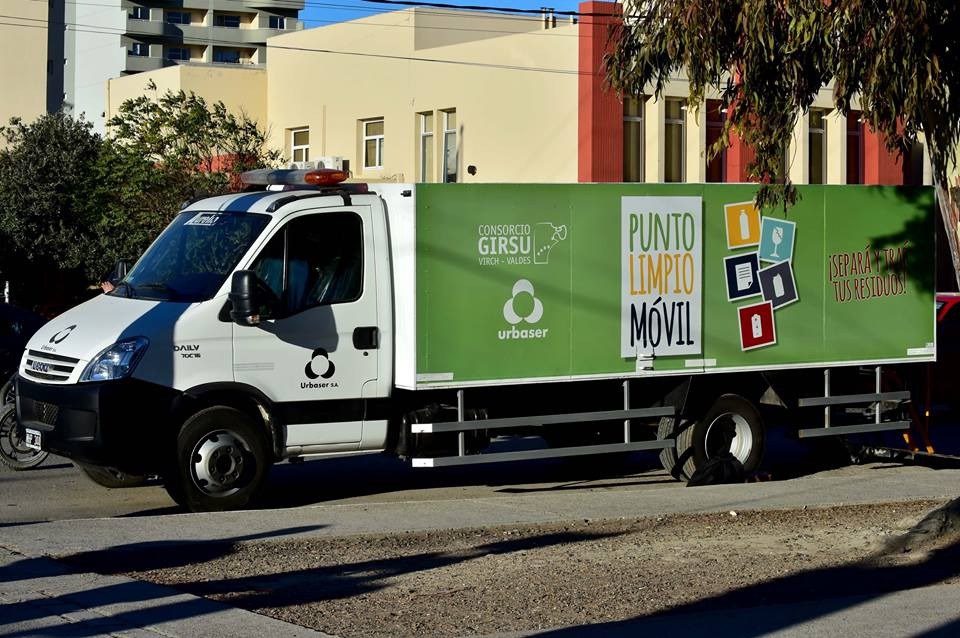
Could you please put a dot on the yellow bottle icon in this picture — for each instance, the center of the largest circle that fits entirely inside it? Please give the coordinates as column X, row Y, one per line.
column 744, row 226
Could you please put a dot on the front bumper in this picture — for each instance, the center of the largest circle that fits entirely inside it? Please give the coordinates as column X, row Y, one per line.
column 122, row 424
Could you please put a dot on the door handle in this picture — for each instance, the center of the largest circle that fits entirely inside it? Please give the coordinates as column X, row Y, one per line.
column 366, row 338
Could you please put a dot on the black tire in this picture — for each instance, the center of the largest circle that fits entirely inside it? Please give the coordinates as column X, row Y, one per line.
column 8, row 394
column 732, row 424
column 222, row 461
column 111, row 477
column 669, row 428
column 13, row 451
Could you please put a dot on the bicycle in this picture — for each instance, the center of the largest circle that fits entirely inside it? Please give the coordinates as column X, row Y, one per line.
column 14, row 452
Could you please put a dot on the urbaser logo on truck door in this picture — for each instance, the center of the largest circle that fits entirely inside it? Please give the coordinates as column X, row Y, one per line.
column 320, row 366
column 523, row 307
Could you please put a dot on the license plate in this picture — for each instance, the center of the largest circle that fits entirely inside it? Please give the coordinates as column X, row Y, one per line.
column 32, row 438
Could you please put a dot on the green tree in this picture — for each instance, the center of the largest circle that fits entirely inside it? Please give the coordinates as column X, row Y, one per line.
column 45, row 215
column 182, row 132
column 768, row 59
column 73, row 202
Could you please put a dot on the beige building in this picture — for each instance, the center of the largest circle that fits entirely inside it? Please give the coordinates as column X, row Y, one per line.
column 113, row 38
column 242, row 89
column 428, row 95
column 26, row 67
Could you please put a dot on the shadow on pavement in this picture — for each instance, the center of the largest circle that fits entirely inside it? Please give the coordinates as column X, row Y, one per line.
column 305, row 586
column 117, row 560
column 790, row 601
column 268, row 590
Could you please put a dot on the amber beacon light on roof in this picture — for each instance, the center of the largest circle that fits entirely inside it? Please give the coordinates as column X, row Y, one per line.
column 288, row 177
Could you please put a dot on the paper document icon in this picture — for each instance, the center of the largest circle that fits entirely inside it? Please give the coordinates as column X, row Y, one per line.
column 744, row 274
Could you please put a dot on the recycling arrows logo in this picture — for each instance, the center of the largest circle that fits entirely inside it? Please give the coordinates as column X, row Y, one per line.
column 320, row 365
column 522, row 288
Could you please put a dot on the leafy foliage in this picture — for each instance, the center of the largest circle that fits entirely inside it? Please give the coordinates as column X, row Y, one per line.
column 73, row 202
column 182, row 132
column 769, row 58
column 45, row 215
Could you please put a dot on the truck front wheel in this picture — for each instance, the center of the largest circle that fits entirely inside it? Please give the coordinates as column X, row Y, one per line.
column 221, row 463
column 731, row 425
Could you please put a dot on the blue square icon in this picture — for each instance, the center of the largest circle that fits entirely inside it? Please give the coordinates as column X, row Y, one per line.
column 776, row 239
column 742, row 276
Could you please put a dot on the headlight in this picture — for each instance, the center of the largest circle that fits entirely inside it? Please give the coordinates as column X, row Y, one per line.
column 117, row 361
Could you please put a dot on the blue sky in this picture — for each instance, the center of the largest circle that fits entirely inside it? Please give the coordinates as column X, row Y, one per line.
column 317, row 13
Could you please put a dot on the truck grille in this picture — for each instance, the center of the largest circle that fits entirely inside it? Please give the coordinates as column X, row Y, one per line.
column 48, row 367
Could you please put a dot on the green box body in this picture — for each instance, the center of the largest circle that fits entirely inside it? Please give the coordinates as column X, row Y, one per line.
column 523, row 283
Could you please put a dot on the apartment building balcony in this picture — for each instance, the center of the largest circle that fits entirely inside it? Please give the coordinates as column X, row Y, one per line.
column 140, row 63
column 247, row 5
column 203, row 33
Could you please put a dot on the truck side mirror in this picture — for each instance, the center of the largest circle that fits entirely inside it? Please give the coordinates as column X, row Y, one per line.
column 121, row 268
column 251, row 299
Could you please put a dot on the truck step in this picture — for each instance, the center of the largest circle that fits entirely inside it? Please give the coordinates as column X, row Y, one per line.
column 841, row 430
column 474, row 459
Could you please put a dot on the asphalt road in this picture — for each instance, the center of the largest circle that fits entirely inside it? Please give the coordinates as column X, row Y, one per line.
column 56, row 490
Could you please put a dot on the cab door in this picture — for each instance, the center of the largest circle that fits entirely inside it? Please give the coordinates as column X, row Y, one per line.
column 314, row 356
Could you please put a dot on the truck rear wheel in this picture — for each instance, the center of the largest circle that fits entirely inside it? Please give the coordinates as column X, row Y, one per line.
column 731, row 425
column 669, row 428
column 221, row 461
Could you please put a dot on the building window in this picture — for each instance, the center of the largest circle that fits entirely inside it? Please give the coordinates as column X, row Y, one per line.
column 716, row 115
column 633, row 139
column 226, row 56
column 373, row 144
column 178, row 53
column 450, row 153
column 228, row 21
column 818, row 147
column 426, row 146
column 854, row 148
column 140, row 49
column 300, row 145
column 674, row 135
column 278, row 22
column 178, row 17
column 139, row 13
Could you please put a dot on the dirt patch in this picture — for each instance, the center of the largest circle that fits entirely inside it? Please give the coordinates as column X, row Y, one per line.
column 477, row 581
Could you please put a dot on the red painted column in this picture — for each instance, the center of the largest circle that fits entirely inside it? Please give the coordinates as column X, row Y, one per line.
column 739, row 155
column 600, row 125
column 880, row 166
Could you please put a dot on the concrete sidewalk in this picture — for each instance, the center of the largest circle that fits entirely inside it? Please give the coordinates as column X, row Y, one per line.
column 41, row 597
column 870, row 484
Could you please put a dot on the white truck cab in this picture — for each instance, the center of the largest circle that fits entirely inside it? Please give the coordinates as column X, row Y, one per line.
column 103, row 383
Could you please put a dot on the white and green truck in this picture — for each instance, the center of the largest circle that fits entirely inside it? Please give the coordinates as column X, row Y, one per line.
column 313, row 317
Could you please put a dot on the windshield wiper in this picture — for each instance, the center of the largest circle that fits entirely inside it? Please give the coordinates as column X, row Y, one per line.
column 131, row 291
column 161, row 287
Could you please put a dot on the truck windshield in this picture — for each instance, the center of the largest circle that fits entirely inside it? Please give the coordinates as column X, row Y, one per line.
column 192, row 257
